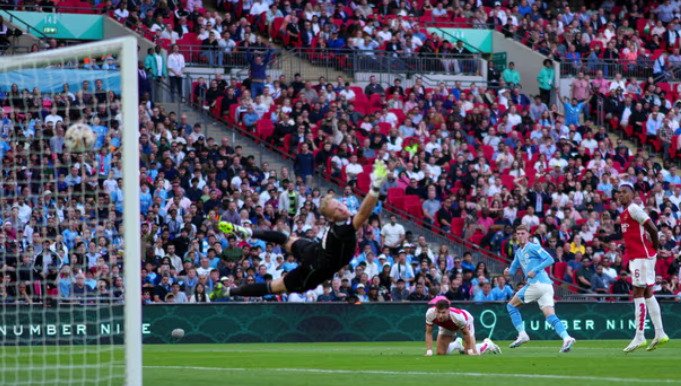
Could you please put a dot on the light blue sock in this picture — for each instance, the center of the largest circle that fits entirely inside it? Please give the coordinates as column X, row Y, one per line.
column 557, row 325
column 516, row 318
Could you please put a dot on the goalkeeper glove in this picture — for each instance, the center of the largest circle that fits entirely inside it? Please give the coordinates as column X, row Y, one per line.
column 378, row 176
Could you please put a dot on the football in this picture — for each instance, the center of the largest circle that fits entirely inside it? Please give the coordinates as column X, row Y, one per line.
column 177, row 333
column 79, row 138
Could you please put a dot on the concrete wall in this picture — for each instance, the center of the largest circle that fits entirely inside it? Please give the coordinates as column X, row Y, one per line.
column 527, row 61
column 113, row 29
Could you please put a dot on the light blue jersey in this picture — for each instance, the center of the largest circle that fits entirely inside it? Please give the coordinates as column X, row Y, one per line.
column 533, row 258
column 539, row 289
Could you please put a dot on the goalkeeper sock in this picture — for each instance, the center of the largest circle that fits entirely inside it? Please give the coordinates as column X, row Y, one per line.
column 557, row 325
column 655, row 315
column 516, row 318
column 271, row 236
column 258, row 289
column 640, row 317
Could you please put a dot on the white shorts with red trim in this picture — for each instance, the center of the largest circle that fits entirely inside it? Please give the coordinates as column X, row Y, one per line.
column 642, row 272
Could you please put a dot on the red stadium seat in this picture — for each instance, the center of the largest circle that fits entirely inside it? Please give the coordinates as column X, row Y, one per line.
column 457, row 227
column 363, row 182
column 488, row 152
column 264, row 128
column 559, row 269
column 217, row 108
column 508, row 181
column 393, row 193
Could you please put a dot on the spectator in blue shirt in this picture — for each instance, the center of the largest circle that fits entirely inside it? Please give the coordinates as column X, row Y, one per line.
column 350, row 201
column 484, row 294
column 467, row 263
column 573, row 110
column 250, row 118
column 258, row 71
column 335, row 42
column 524, row 8
column 145, row 199
column 502, row 291
column 605, row 185
column 654, row 122
column 304, row 163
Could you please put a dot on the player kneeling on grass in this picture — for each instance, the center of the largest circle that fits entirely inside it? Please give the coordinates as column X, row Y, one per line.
column 533, row 259
column 451, row 320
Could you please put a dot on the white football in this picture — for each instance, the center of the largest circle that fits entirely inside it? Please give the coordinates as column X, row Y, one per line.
column 79, row 138
column 177, row 333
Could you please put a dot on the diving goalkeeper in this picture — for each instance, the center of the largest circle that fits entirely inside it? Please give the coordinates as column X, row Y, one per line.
column 318, row 261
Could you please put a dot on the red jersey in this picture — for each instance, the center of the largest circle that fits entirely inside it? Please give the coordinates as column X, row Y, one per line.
column 458, row 319
column 636, row 243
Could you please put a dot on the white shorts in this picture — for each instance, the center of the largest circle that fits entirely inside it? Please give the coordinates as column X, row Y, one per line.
column 538, row 292
column 642, row 272
column 470, row 324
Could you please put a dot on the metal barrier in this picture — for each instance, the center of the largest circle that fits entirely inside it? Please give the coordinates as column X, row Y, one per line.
column 347, row 61
column 417, row 64
column 640, row 69
column 196, row 56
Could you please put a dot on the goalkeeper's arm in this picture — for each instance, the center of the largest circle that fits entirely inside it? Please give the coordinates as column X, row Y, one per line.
column 378, row 176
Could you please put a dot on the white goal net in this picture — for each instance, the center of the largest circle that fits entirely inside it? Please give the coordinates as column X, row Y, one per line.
column 69, row 240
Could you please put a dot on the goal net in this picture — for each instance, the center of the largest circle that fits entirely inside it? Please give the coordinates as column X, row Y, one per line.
column 70, row 238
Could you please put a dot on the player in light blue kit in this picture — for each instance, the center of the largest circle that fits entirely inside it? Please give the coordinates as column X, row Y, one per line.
column 533, row 259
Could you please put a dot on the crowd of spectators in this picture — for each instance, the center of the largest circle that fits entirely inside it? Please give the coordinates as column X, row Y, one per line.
column 477, row 160
column 480, row 161
column 219, row 38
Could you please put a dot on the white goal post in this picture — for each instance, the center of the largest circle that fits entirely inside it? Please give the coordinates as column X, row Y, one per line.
column 125, row 50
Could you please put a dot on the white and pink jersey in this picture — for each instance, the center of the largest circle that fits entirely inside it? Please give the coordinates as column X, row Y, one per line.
column 458, row 319
column 636, row 244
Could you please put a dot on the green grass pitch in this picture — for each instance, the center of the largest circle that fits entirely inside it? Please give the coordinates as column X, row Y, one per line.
column 348, row 364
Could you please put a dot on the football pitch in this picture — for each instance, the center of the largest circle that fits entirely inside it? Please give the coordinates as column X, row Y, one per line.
column 348, row 364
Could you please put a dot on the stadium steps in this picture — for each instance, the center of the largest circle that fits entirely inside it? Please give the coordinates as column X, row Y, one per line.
column 291, row 64
column 217, row 130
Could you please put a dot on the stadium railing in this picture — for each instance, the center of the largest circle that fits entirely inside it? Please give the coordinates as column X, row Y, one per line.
column 640, row 69
column 22, row 24
column 341, row 60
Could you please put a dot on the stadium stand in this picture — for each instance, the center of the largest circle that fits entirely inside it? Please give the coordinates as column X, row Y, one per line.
column 476, row 160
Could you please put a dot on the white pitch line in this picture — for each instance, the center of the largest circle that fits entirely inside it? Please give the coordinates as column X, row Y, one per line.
column 415, row 373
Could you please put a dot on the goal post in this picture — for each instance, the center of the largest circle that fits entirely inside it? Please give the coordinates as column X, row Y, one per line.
column 67, row 358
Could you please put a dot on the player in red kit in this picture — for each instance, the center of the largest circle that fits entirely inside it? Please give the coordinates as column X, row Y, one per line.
column 451, row 320
column 640, row 249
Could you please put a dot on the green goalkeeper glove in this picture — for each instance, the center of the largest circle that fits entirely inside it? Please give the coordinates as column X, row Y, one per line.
column 379, row 175
column 226, row 227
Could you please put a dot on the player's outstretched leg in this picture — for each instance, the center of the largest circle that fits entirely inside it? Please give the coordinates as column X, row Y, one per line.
column 517, row 320
column 656, row 317
column 257, row 289
column 640, row 311
column 246, row 233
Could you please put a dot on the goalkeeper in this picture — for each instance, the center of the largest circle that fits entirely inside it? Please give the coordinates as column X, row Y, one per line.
column 318, row 261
